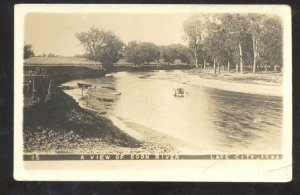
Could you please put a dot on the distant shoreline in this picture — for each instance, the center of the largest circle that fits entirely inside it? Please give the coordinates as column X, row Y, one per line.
column 65, row 69
column 245, row 85
column 269, row 84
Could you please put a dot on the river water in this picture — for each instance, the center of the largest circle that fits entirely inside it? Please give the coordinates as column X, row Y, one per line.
column 210, row 118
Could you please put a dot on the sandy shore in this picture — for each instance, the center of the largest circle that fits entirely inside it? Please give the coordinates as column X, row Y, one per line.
column 155, row 138
column 101, row 99
column 236, row 87
column 261, row 83
column 75, row 130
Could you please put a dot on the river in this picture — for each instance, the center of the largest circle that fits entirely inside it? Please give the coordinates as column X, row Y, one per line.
column 214, row 119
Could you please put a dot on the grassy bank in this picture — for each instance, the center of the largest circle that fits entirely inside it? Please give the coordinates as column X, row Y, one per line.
column 260, row 78
column 62, row 126
column 131, row 68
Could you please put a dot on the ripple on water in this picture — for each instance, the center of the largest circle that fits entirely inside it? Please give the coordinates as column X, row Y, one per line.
column 212, row 118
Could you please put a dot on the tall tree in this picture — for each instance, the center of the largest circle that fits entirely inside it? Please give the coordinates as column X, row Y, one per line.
column 183, row 53
column 230, row 41
column 239, row 28
column 102, row 46
column 195, row 31
column 150, row 52
column 169, row 54
column 141, row 52
column 271, row 43
column 214, row 41
column 255, row 28
column 27, row 51
column 133, row 53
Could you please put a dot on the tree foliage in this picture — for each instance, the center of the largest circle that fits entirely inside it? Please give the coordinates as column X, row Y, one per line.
column 169, row 54
column 248, row 40
column 195, row 30
column 270, row 48
column 102, row 46
column 141, row 52
column 183, row 53
column 28, row 51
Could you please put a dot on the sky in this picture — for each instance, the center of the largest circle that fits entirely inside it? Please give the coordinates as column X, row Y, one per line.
column 55, row 32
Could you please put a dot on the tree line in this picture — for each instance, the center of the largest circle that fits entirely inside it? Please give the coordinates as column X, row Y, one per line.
column 224, row 41
column 235, row 39
column 108, row 48
column 28, row 52
column 229, row 42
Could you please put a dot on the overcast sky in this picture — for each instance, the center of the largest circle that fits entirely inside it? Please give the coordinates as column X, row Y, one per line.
column 55, row 32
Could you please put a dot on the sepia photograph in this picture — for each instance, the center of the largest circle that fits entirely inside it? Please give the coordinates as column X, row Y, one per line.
column 133, row 92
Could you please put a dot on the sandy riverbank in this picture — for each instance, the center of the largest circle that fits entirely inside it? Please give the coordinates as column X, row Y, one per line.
column 157, row 139
column 259, row 83
column 100, row 100
column 62, row 126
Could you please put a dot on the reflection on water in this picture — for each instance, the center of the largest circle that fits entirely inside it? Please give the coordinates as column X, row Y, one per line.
column 215, row 119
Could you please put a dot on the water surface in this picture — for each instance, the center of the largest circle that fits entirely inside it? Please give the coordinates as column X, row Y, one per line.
column 210, row 118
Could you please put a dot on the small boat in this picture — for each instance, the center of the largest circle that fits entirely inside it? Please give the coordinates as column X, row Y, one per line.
column 84, row 85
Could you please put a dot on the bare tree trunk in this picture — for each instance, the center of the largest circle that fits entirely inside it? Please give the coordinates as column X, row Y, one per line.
column 228, row 66
column 196, row 60
column 254, row 41
column 204, row 61
column 236, row 68
column 241, row 57
column 215, row 65
column 266, row 68
column 219, row 71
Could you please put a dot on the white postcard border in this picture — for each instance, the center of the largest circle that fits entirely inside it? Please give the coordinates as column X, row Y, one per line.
column 162, row 170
